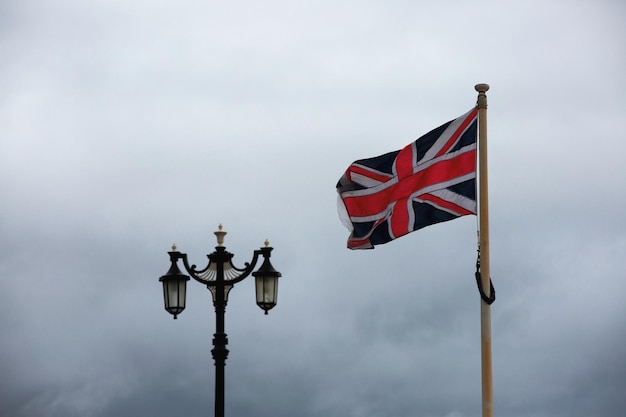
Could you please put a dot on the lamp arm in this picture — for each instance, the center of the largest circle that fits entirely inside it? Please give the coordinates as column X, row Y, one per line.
column 244, row 272
column 191, row 270
column 248, row 268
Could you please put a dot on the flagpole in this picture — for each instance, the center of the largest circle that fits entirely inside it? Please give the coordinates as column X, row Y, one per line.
column 483, row 216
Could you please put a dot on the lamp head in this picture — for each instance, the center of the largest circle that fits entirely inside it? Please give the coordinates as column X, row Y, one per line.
column 266, row 281
column 174, row 286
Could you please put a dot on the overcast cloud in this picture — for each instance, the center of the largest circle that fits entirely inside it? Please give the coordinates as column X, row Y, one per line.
column 126, row 126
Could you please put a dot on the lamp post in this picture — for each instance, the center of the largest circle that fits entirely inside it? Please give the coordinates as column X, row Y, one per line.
column 220, row 275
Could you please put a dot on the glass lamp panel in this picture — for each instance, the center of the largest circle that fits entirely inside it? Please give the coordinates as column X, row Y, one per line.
column 182, row 294
column 165, row 296
column 175, row 296
column 266, row 287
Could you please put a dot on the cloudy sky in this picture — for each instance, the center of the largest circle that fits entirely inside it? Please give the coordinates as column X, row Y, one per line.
column 126, row 126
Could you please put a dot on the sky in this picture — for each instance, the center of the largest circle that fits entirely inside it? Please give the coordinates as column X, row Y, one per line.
column 127, row 126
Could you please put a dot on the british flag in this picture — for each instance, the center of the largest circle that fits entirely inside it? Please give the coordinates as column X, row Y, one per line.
column 429, row 181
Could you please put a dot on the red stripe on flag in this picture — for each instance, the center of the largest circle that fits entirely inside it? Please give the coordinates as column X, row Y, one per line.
column 404, row 162
column 363, row 242
column 440, row 172
column 400, row 218
column 455, row 136
column 357, row 169
column 461, row 211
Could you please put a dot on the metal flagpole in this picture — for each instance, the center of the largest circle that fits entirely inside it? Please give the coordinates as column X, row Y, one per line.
column 483, row 215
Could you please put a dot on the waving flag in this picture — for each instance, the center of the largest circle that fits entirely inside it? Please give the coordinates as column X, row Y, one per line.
column 429, row 181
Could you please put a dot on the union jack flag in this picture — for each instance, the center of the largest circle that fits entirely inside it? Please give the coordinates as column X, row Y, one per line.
column 429, row 181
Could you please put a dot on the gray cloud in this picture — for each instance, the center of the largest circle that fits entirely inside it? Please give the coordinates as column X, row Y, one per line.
column 128, row 126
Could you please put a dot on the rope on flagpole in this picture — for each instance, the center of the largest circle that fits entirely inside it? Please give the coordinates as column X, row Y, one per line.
column 489, row 299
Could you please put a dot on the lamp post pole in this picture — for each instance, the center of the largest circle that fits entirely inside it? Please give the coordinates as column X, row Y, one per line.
column 220, row 275
column 219, row 351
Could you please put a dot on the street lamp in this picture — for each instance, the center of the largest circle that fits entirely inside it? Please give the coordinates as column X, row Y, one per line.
column 220, row 275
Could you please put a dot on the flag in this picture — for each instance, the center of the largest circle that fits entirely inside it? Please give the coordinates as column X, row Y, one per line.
column 429, row 181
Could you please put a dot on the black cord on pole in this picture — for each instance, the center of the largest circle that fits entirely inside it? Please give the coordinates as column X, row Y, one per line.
column 492, row 298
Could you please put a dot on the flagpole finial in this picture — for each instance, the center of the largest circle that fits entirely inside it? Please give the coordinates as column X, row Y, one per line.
column 482, row 97
column 481, row 88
